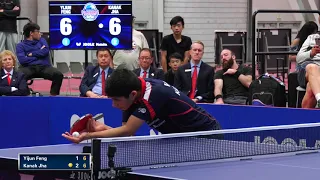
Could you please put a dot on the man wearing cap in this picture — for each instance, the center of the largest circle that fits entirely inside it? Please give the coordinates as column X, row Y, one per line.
column 130, row 57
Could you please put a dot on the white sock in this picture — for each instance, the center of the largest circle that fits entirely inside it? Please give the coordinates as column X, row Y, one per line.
column 318, row 96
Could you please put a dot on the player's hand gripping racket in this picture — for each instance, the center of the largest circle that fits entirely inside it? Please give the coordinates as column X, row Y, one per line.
column 80, row 124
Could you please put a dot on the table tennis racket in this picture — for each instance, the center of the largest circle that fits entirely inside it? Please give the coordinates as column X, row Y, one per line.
column 80, row 124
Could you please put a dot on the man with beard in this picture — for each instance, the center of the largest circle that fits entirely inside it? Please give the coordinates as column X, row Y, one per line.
column 233, row 81
column 195, row 78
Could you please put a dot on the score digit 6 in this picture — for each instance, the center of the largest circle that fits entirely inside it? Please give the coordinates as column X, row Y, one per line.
column 114, row 26
column 65, row 26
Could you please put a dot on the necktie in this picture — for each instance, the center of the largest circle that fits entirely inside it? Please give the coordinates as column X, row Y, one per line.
column 144, row 74
column 9, row 79
column 194, row 83
column 103, row 82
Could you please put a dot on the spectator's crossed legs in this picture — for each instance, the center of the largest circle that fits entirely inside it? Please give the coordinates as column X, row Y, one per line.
column 46, row 72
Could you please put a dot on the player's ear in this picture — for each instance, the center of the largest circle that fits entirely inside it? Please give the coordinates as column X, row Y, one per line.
column 133, row 95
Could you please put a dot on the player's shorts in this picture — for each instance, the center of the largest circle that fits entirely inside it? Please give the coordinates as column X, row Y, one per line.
column 301, row 68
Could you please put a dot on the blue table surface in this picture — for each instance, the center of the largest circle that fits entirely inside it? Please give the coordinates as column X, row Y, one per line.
column 295, row 167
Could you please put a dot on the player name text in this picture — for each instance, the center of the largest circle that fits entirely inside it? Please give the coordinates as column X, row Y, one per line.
column 115, row 9
column 34, row 166
column 65, row 9
column 35, row 158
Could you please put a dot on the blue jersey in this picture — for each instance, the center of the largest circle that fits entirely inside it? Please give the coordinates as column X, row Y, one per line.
column 167, row 110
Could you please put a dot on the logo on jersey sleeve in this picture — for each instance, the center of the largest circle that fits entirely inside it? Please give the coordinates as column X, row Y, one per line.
column 142, row 110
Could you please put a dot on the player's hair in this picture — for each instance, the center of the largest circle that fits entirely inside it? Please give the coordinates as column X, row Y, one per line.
column 146, row 49
column 176, row 55
column 232, row 53
column 197, row 42
column 30, row 27
column 122, row 82
column 103, row 49
column 175, row 20
column 8, row 53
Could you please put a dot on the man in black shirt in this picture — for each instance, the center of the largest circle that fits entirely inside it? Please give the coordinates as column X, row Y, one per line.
column 233, row 81
column 175, row 42
column 9, row 10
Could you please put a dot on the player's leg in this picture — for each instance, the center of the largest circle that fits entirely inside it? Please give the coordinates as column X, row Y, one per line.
column 309, row 100
column 55, row 76
column 312, row 76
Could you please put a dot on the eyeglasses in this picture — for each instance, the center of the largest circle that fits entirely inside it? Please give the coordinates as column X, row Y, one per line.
column 146, row 58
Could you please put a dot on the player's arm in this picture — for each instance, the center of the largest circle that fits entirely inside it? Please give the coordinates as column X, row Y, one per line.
column 84, row 88
column 246, row 77
column 208, row 96
column 187, row 52
column 245, row 80
column 164, row 48
column 186, row 57
column 22, row 57
column 164, row 60
column 43, row 51
column 127, row 129
column 12, row 13
column 218, row 84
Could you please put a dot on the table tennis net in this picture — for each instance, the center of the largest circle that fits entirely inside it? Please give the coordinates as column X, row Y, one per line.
column 210, row 145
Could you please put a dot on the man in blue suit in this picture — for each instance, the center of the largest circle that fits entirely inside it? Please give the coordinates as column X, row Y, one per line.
column 94, row 80
column 12, row 83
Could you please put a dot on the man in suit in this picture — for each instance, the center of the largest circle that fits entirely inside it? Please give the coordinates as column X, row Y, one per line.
column 94, row 79
column 196, row 77
column 12, row 83
column 146, row 70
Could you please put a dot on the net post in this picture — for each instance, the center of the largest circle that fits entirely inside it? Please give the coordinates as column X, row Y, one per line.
column 96, row 156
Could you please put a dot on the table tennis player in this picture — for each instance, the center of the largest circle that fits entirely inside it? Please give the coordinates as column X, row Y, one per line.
column 155, row 102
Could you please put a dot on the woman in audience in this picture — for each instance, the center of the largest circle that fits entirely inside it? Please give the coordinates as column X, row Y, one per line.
column 307, row 29
column 12, row 83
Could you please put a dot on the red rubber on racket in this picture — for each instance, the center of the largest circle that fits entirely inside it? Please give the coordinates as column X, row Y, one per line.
column 80, row 124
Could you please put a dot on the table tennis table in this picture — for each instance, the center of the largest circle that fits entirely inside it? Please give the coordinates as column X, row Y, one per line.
column 302, row 165
column 294, row 167
column 190, row 156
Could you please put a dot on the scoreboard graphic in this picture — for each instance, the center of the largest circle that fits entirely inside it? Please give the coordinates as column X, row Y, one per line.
column 89, row 25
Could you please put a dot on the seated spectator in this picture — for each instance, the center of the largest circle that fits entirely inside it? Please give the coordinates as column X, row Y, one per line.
column 12, row 82
column 231, row 84
column 196, row 77
column 94, row 80
column 174, row 63
column 33, row 55
column 307, row 29
column 146, row 70
column 308, row 60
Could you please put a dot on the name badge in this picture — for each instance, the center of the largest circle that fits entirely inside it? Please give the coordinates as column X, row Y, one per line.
column 4, row 76
column 95, row 75
column 187, row 70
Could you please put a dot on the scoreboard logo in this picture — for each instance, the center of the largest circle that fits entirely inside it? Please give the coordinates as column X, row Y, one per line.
column 90, row 12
